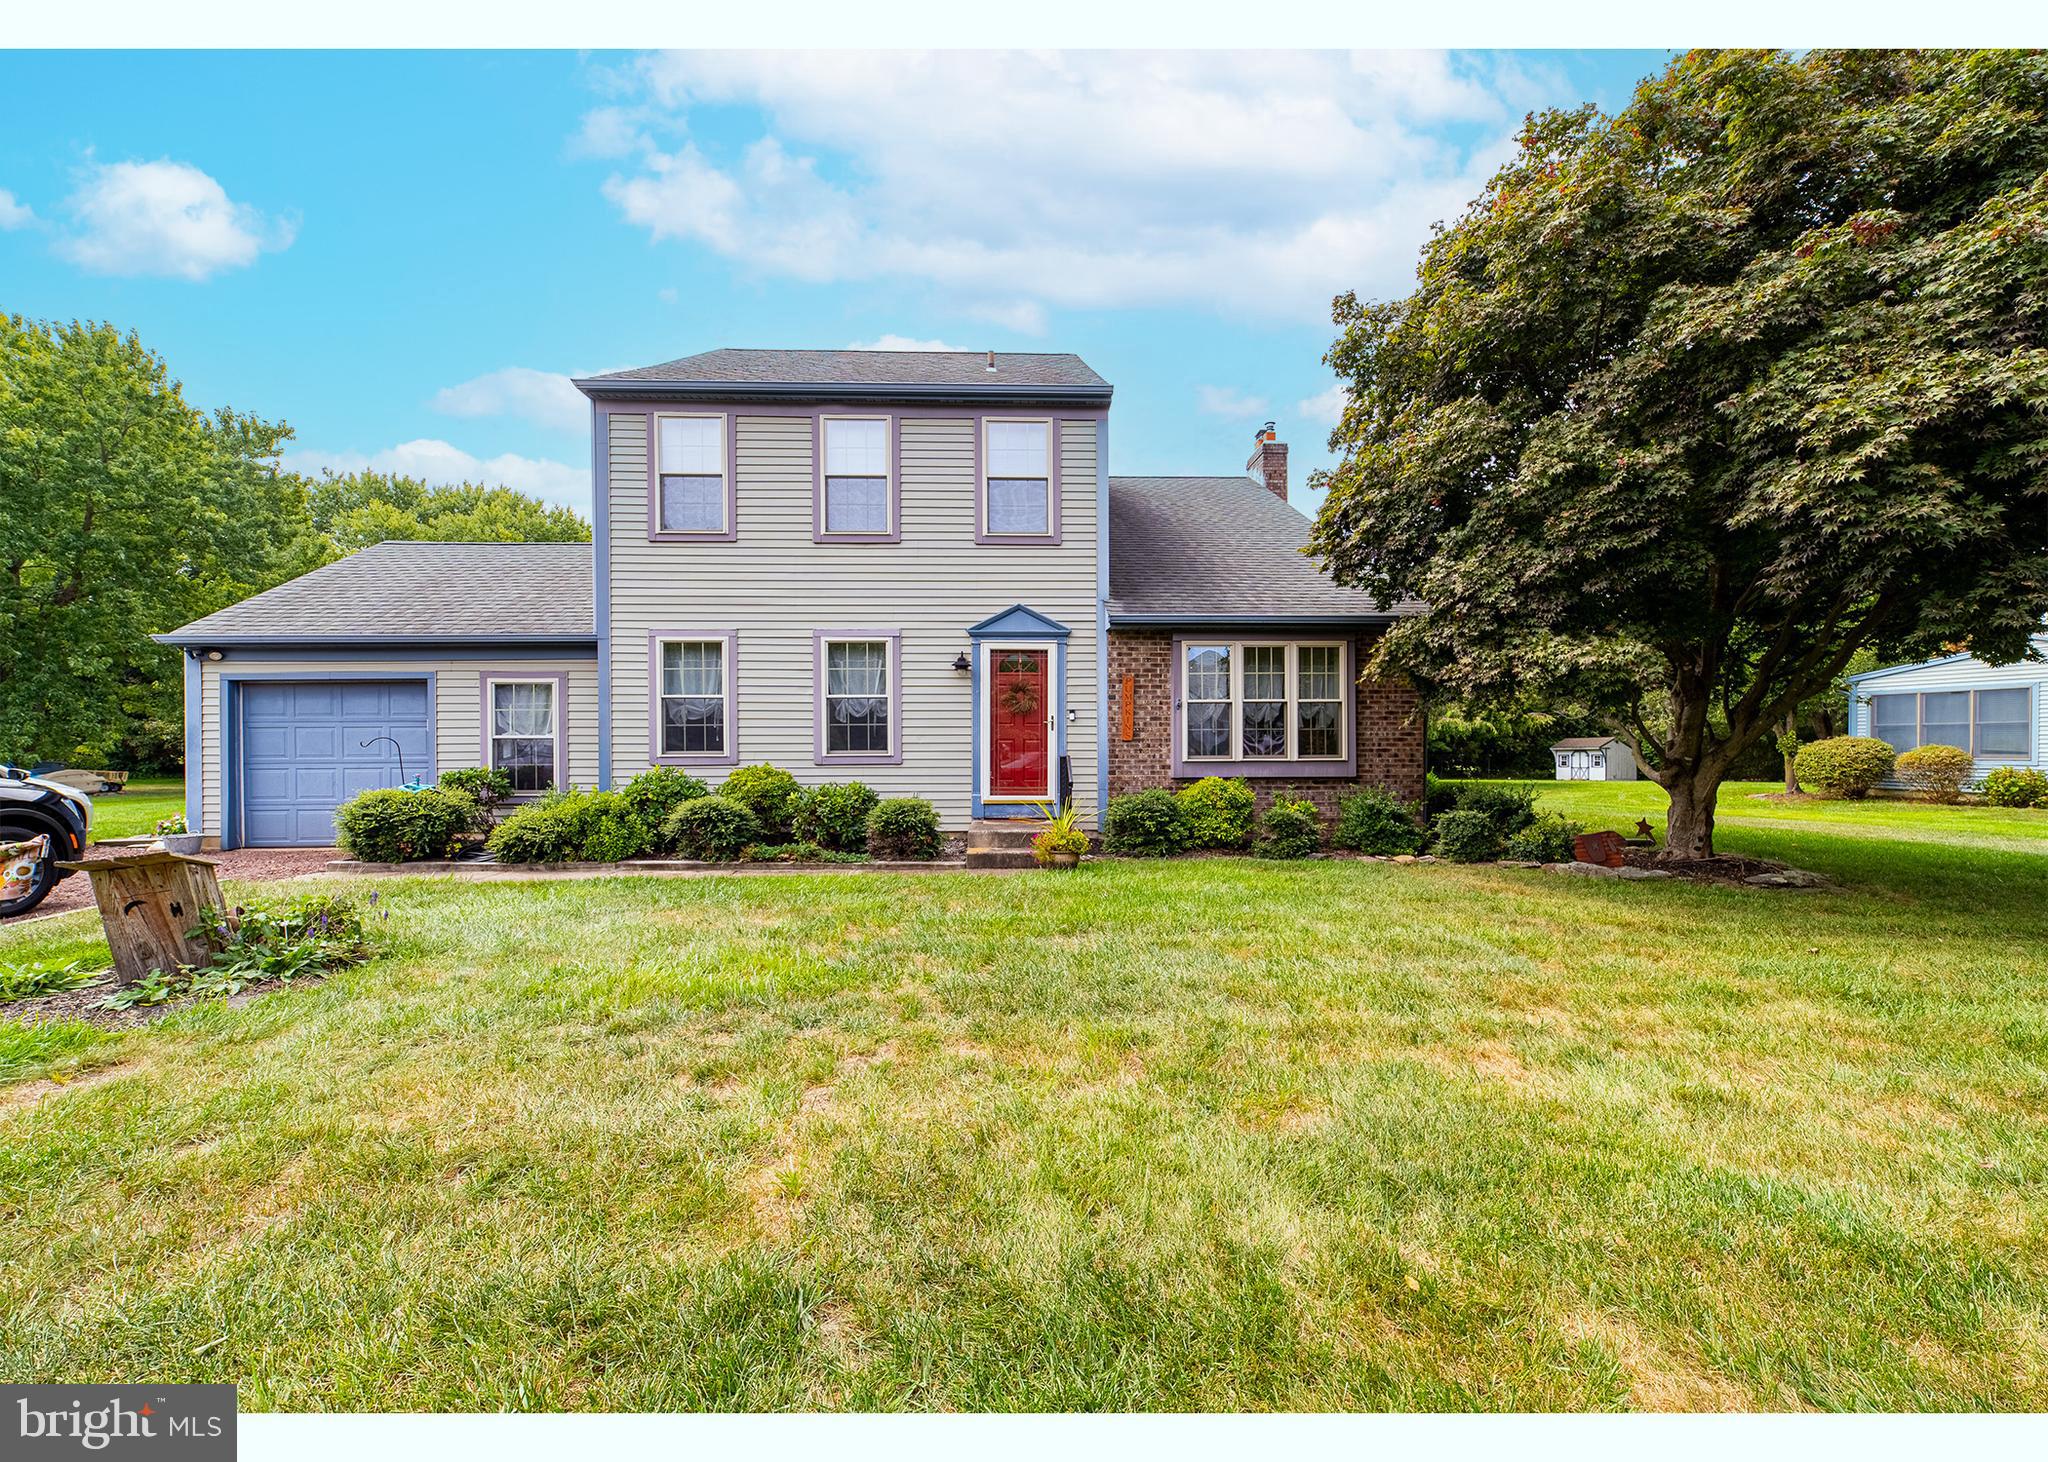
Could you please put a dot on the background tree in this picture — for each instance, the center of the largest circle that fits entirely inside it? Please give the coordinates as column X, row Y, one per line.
column 1697, row 401
column 125, row 511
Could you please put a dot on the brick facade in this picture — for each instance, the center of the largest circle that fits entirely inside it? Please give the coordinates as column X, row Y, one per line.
column 1388, row 728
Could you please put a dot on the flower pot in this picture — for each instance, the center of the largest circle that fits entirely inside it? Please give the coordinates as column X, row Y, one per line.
column 187, row 843
column 1062, row 860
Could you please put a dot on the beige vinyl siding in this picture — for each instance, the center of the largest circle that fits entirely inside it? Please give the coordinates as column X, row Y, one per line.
column 773, row 587
column 458, row 710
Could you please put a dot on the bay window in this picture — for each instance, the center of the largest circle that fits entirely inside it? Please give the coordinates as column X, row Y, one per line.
column 1262, row 701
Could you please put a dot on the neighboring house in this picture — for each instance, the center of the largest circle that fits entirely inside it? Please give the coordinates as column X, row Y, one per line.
column 1594, row 759
column 911, row 569
column 1997, row 713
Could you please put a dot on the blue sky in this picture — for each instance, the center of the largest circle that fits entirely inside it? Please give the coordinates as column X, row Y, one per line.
column 404, row 255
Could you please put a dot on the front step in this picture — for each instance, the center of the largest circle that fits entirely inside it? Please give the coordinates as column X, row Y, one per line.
column 1001, row 842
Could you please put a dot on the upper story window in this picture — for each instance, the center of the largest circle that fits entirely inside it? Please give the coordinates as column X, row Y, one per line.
column 691, row 490
column 693, row 699
column 858, row 485
column 1262, row 701
column 1995, row 725
column 1017, row 499
column 525, row 733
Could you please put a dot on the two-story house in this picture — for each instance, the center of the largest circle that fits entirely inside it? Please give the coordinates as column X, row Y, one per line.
column 907, row 568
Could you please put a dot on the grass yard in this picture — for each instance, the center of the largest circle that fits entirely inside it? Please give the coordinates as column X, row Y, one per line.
column 1212, row 1134
column 136, row 809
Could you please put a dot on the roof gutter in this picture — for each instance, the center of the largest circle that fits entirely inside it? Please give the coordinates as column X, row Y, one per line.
column 602, row 388
column 186, row 640
column 1224, row 621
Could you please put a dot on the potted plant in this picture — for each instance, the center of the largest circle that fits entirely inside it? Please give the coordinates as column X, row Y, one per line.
column 172, row 833
column 1061, row 842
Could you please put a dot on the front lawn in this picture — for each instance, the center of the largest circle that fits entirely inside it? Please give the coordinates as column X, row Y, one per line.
column 136, row 809
column 1211, row 1134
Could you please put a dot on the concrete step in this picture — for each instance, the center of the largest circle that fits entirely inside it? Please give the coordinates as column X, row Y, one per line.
column 992, row 834
column 1001, row 858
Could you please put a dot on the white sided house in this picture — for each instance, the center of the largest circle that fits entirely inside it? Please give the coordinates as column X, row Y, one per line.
column 910, row 569
column 1594, row 759
column 1997, row 713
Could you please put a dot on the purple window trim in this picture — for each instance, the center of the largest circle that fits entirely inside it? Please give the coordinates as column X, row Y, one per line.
column 560, row 680
column 730, row 757
column 824, row 758
column 1054, row 438
column 895, row 533
column 1260, row 766
column 658, row 534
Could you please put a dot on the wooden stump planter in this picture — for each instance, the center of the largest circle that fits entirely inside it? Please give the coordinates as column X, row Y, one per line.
column 149, row 903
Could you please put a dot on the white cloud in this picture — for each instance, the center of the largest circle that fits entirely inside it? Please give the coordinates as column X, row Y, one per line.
column 902, row 342
column 1026, row 317
column 12, row 214
column 545, row 398
column 1255, row 183
column 164, row 218
column 438, row 463
column 1228, row 401
column 1325, row 408
column 607, row 132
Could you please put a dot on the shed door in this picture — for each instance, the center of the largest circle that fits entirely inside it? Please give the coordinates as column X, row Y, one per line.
column 1582, row 767
column 302, row 752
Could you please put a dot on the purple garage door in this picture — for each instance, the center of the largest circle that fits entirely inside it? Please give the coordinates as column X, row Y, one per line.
column 302, row 751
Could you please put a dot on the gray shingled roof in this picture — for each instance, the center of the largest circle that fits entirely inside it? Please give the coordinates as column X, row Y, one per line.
column 1583, row 743
column 1216, row 548
column 419, row 591
column 920, row 370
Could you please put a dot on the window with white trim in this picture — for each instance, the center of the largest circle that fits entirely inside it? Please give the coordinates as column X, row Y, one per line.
column 695, row 709
column 857, row 478
column 1994, row 725
column 691, row 473
column 1017, row 479
column 524, row 733
column 856, row 699
column 1262, row 700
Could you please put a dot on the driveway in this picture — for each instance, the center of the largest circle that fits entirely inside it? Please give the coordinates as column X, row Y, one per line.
column 255, row 864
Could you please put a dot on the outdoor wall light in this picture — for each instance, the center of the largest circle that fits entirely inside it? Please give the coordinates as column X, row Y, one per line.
column 960, row 662
column 208, row 654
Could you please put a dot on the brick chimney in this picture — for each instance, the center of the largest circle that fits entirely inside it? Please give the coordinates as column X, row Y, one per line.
column 1268, row 465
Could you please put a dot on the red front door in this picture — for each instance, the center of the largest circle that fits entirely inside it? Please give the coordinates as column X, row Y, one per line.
column 1019, row 724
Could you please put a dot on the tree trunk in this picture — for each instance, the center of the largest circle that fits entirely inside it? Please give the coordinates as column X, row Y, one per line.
column 1690, row 831
column 1790, row 729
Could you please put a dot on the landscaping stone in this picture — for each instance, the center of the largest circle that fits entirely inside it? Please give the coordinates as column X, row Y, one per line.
column 1519, row 863
column 1642, row 873
column 1583, row 870
column 1404, row 858
column 1786, row 878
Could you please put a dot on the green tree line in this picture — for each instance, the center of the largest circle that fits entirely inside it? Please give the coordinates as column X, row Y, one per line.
column 126, row 511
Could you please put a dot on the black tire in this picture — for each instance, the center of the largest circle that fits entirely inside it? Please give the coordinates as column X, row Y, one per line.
column 46, row 871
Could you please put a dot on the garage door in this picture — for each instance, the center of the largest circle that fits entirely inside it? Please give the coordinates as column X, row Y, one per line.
column 303, row 754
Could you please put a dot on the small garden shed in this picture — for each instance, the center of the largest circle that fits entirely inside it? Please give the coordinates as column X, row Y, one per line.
column 1594, row 759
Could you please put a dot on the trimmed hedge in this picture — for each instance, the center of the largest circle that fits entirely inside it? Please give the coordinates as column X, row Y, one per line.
column 1509, row 807
column 1848, row 765
column 1147, row 824
column 392, row 825
column 769, row 793
column 2016, row 787
column 1546, row 840
column 1467, row 835
column 716, row 827
column 1219, row 812
column 835, row 816
column 1936, row 771
column 656, row 793
column 489, row 787
column 904, row 827
column 1290, row 830
column 570, row 827
column 1374, row 820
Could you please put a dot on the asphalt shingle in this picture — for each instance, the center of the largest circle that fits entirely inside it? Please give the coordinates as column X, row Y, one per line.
column 432, row 591
column 1216, row 547
column 961, row 369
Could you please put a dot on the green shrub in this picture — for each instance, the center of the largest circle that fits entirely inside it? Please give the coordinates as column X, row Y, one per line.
column 2016, row 787
column 392, row 825
column 904, row 827
column 1467, row 835
column 488, row 786
column 563, row 827
column 835, row 816
column 1147, row 824
column 1509, row 806
column 1290, row 830
column 1546, row 840
column 1846, row 765
column 769, row 793
column 716, row 827
column 1438, row 795
column 654, row 794
column 1936, row 771
column 1219, row 812
column 1374, row 820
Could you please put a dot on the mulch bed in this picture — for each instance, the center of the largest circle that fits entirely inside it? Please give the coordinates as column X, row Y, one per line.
column 1724, row 868
column 250, row 864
